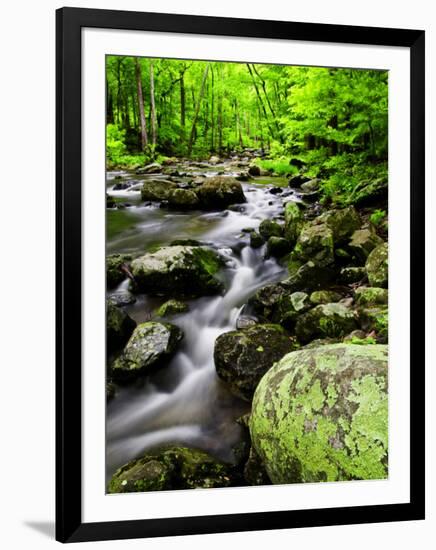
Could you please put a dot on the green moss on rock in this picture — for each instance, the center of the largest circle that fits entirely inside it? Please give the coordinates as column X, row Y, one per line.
column 322, row 415
column 325, row 321
column 371, row 296
column 119, row 327
column 172, row 307
column 377, row 266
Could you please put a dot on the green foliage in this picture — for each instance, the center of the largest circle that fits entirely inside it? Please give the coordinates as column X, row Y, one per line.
column 116, row 150
column 377, row 217
column 279, row 166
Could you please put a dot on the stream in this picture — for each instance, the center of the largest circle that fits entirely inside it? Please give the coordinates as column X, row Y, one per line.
column 185, row 403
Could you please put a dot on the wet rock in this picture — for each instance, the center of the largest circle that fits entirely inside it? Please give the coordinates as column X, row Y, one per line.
column 362, row 242
column 110, row 202
column 150, row 345
column 116, row 265
column 121, row 299
column 349, row 275
column 270, row 228
column 110, row 391
column 325, row 297
column 254, row 170
column 371, row 296
column 246, row 321
column 178, row 270
column 377, row 266
column 214, row 160
column 157, row 190
column 297, row 181
column 119, row 327
column 242, row 357
column 172, row 307
column 256, row 240
column 153, row 168
column 278, row 247
column 242, row 176
column 293, row 221
column 325, row 321
column 183, row 199
column 276, row 190
column 220, row 192
column 322, row 415
column 121, row 186
column 173, row 468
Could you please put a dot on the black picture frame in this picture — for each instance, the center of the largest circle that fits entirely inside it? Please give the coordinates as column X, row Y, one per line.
column 69, row 525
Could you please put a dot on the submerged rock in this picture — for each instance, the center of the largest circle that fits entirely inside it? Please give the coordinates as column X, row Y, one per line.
column 119, row 327
column 173, row 468
column 220, row 192
column 377, row 266
column 322, row 415
column 178, row 270
column 325, row 321
column 242, row 357
column 150, row 344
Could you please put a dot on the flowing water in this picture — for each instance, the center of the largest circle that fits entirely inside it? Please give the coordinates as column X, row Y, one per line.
column 185, row 403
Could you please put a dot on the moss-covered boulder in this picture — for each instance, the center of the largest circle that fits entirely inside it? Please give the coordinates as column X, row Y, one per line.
column 325, row 297
column 377, row 266
column 322, row 415
column 370, row 193
column 308, row 276
column 152, row 168
column 183, row 199
column 119, row 327
column 362, row 242
column 311, row 185
column 180, row 270
column 122, row 298
column 150, row 346
column 270, row 228
column 173, row 468
column 278, row 304
column 242, row 357
column 220, row 192
column 172, row 307
column 349, row 275
column 315, row 244
column 157, row 190
column 371, row 296
column 278, row 247
column 342, row 222
column 256, row 239
column 375, row 319
column 325, row 321
column 293, row 222
column 116, row 265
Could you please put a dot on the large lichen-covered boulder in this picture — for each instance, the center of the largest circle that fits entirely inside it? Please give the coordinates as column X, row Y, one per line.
column 157, row 190
column 315, row 244
column 370, row 296
column 149, row 346
column 116, row 265
column 377, row 266
column 325, row 321
column 322, row 415
column 173, row 468
column 220, row 192
column 362, row 242
column 293, row 221
column 178, row 270
column 342, row 222
column 183, row 199
column 119, row 327
column 242, row 357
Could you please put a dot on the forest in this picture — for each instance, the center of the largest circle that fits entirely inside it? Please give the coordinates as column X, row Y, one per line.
column 247, row 274
column 332, row 120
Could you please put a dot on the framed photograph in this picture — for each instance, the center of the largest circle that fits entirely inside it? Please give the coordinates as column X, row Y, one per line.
column 240, row 275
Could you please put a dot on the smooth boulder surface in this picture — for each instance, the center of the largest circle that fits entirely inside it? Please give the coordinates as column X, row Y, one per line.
column 149, row 346
column 183, row 199
column 377, row 266
column 220, row 192
column 178, row 270
column 270, row 228
column 157, row 190
column 322, row 415
column 242, row 357
column 172, row 307
column 325, row 321
column 173, row 468
column 119, row 327
column 362, row 242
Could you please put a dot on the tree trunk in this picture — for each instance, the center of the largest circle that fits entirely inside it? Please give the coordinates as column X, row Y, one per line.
column 260, row 100
column 182, row 106
column 276, row 124
column 152, row 108
column 197, row 109
column 142, row 120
